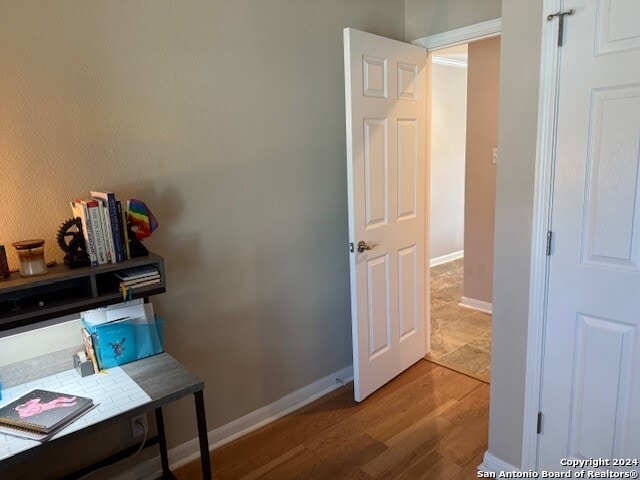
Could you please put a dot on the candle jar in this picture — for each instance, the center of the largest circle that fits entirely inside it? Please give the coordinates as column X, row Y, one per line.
column 31, row 255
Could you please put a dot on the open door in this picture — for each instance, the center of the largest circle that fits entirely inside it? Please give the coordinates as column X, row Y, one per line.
column 385, row 94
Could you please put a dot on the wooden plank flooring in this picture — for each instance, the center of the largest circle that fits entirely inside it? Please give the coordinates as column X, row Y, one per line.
column 428, row 423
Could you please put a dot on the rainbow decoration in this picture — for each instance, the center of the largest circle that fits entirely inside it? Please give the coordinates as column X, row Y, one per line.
column 143, row 223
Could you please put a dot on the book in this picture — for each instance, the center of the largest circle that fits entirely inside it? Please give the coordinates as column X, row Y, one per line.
column 124, row 222
column 116, row 343
column 135, row 281
column 79, row 210
column 134, row 273
column 128, row 290
column 95, row 214
column 87, row 339
column 136, row 314
column 111, row 249
column 115, row 220
column 106, row 229
column 142, row 317
column 41, row 413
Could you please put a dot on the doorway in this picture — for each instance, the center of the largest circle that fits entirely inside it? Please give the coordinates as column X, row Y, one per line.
column 464, row 118
column 386, row 92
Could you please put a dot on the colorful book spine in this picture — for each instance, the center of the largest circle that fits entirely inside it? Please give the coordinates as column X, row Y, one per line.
column 80, row 211
column 109, row 200
column 96, row 224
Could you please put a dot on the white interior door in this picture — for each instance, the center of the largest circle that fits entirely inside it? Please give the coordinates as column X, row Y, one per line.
column 385, row 89
column 591, row 369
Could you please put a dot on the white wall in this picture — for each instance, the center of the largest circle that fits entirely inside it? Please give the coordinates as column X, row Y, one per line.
column 448, row 137
column 227, row 118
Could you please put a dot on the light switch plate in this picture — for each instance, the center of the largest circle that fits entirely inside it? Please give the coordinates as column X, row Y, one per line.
column 494, row 156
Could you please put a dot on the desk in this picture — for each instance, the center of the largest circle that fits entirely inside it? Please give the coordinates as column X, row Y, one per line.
column 164, row 380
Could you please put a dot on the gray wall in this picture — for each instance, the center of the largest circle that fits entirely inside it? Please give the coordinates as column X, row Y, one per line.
column 227, row 118
column 428, row 17
column 521, row 34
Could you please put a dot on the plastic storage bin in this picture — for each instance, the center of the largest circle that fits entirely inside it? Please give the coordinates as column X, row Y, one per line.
column 117, row 343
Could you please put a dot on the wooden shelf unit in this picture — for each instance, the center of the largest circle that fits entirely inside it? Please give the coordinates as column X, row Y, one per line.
column 63, row 291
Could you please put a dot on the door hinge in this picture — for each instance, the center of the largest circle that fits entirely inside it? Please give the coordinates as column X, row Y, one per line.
column 560, row 16
column 549, row 242
column 539, row 427
column 351, row 247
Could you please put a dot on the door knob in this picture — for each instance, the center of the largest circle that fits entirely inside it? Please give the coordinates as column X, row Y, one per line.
column 362, row 246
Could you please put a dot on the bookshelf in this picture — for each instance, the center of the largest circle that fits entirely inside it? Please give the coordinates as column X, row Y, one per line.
column 63, row 291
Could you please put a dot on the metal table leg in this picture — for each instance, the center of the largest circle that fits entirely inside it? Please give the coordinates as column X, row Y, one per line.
column 162, row 440
column 203, row 436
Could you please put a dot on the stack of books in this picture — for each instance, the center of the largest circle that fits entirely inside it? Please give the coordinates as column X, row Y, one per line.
column 137, row 277
column 104, row 226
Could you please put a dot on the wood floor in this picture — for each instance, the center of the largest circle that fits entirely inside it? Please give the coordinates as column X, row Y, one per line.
column 428, row 423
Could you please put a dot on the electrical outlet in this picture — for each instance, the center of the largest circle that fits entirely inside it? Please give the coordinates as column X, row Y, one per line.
column 138, row 425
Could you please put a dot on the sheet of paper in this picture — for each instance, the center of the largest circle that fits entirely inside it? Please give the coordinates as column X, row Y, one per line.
column 99, row 316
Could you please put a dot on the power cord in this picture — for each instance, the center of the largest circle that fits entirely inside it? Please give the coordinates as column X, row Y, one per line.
column 140, row 424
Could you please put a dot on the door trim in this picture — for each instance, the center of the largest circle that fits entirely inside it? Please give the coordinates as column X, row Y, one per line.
column 451, row 38
column 470, row 33
column 545, row 160
column 547, row 115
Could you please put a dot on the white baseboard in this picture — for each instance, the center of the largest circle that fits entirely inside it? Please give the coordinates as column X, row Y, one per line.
column 475, row 304
column 495, row 465
column 189, row 451
column 449, row 257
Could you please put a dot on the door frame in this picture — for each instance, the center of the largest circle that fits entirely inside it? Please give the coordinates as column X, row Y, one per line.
column 541, row 222
column 470, row 33
column 547, row 115
column 433, row 43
